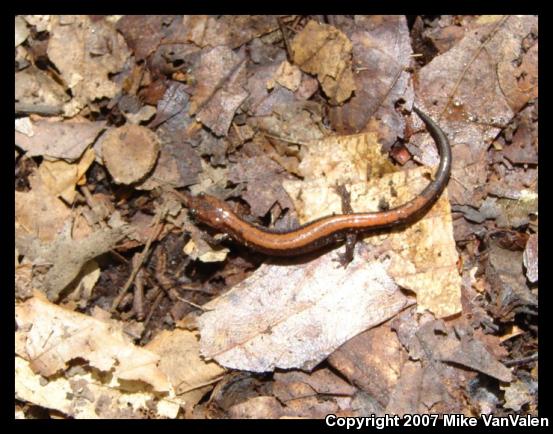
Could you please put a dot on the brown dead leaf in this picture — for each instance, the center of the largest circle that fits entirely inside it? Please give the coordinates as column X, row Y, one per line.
column 144, row 33
column 372, row 361
column 474, row 91
column 84, row 396
column 129, row 152
column 39, row 213
column 262, row 177
column 260, row 407
column 67, row 255
column 219, row 90
column 261, row 101
column 434, row 383
column 293, row 122
column 296, row 384
column 423, row 389
column 58, row 139
column 472, row 354
column 190, row 375
column 518, row 394
column 35, row 89
column 296, row 315
column 325, row 51
column 230, row 30
column 23, row 278
column 61, row 178
column 438, row 341
column 509, row 290
column 523, row 148
column 182, row 139
column 286, row 75
column 86, row 52
column 198, row 248
column 381, row 56
column 54, row 336
column 317, row 407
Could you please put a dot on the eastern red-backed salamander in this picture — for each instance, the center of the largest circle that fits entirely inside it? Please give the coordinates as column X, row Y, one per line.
column 318, row 233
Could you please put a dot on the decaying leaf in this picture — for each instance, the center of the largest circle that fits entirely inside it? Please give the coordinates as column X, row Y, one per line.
column 371, row 361
column 86, row 52
column 530, row 258
column 67, row 255
column 189, row 374
column 229, row 30
column 509, row 293
column 294, row 385
column 220, row 88
column 61, row 178
column 56, row 139
column 519, row 393
column 38, row 212
column 382, row 55
column 475, row 88
column 286, row 75
column 85, row 396
column 36, row 89
column 324, row 50
column 54, row 336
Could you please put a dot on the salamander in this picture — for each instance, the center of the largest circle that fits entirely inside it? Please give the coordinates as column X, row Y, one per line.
column 311, row 236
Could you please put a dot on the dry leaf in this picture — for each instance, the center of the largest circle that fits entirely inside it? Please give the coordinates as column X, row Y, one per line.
column 84, row 396
column 21, row 31
column 219, row 90
column 61, row 178
column 324, row 50
column 474, row 91
column 230, row 30
column 260, row 407
column 67, row 255
column 58, row 139
column 35, row 89
column 296, row 315
column 530, row 258
column 372, row 361
column 517, row 394
column 38, row 213
column 189, row 374
column 296, row 384
column 55, row 336
column 382, row 57
column 86, row 52
column 286, row 75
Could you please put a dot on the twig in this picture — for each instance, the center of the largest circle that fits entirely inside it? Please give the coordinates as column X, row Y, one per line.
column 285, row 39
column 155, row 304
column 140, row 259
column 521, row 361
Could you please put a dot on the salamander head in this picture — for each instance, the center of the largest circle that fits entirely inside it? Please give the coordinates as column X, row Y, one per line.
column 209, row 210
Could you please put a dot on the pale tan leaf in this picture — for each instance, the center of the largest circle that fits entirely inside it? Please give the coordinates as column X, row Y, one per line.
column 295, row 316
column 189, row 374
column 84, row 396
column 54, row 336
